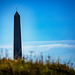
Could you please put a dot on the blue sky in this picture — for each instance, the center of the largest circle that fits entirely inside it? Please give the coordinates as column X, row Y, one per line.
column 47, row 26
column 45, row 20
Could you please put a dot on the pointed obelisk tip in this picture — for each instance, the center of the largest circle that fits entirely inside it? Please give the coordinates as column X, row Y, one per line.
column 16, row 12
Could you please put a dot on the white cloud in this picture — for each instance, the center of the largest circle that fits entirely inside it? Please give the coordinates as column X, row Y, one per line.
column 58, row 45
column 47, row 47
column 5, row 46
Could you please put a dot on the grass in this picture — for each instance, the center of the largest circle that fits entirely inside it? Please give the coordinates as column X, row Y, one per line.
column 23, row 67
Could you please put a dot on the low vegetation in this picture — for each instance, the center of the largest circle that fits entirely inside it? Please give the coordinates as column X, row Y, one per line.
column 23, row 67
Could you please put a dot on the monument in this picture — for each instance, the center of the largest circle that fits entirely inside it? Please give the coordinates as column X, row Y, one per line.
column 17, row 49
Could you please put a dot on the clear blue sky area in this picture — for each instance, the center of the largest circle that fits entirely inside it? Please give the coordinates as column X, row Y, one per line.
column 41, row 20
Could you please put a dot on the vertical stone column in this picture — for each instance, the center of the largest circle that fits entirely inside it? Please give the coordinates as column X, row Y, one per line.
column 17, row 49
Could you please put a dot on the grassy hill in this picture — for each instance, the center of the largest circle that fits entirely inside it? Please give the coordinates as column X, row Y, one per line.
column 22, row 67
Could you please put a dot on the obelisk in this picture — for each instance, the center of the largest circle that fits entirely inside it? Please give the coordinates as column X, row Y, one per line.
column 17, row 49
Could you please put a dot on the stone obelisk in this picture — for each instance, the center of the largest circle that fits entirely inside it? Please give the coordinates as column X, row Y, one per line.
column 17, row 49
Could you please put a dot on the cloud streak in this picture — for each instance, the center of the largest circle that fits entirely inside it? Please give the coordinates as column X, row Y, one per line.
column 5, row 46
column 48, row 47
column 45, row 45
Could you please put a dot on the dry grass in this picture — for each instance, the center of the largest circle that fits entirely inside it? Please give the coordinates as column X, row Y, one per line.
column 23, row 67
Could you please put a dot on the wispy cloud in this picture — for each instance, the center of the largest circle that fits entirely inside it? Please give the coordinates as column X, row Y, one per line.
column 5, row 46
column 44, row 45
column 48, row 47
column 58, row 45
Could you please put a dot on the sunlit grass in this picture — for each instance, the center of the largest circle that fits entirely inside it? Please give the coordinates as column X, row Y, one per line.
column 24, row 67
